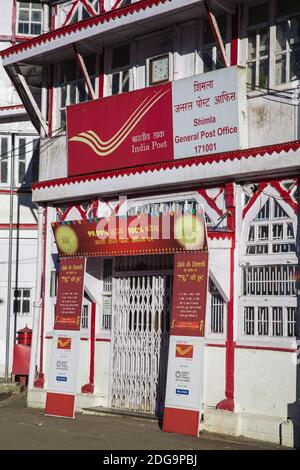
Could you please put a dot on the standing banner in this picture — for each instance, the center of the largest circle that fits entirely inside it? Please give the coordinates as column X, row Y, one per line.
column 61, row 391
column 186, row 349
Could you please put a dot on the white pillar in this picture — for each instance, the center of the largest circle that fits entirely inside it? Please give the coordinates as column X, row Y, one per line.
column 37, row 305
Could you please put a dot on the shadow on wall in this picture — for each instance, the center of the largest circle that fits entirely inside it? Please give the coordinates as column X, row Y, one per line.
column 294, row 408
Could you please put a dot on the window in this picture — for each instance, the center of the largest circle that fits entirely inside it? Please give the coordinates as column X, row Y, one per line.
column 29, row 18
column 217, row 306
column 287, row 47
column 4, row 159
column 258, row 47
column 270, row 321
column 85, row 317
column 22, row 302
column 107, row 294
column 120, row 69
column 53, row 283
column 273, row 32
column 270, row 280
column 210, row 52
column 271, row 231
column 73, row 89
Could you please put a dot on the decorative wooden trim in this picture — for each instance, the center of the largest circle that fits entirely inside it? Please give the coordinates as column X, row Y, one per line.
column 182, row 163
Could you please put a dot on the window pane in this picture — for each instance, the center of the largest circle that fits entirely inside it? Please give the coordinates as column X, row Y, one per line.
column 285, row 7
column 22, row 171
column 251, row 75
column 73, row 87
column 115, row 83
column 295, row 65
column 23, row 28
column 251, row 234
column 35, row 29
column 263, row 42
column 36, row 15
column 252, row 45
column 277, row 231
column 290, row 230
column 263, row 320
column 249, row 320
column 263, row 232
column 24, row 15
column 26, row 306
column 263, row 73
column 121, row 56
column 258, row 14
column 280, row 69
column 295, row 32
column 291, row 321
column 277, row 321
column 22, row 149
column 207, row 60
column 125, row 81
column 281, row 37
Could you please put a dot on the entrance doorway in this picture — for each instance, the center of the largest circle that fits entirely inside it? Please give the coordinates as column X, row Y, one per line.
column 140, row 333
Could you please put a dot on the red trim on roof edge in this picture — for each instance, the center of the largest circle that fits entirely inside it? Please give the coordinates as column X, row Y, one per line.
column 13, row 106
column 190, row 161
column 72, row 28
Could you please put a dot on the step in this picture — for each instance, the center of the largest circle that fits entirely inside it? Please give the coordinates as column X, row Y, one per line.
column 101, row 411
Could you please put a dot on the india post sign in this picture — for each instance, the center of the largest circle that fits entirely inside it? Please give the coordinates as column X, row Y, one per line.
column 195, row 116
column 69, row 294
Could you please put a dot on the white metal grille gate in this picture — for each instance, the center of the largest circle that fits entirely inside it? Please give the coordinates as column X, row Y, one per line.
column 140, row 334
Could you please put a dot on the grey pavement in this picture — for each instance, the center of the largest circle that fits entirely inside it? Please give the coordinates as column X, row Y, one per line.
column 29, row 429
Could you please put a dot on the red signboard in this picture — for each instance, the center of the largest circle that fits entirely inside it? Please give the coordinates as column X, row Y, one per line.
column 132, row 235
column 121, row 131
column 69, row 296
column 189, row 294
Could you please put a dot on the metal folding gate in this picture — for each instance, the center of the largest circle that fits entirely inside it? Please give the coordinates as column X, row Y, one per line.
column 140, row 333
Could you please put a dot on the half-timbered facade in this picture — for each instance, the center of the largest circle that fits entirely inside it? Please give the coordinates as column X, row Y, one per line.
column 96, row 49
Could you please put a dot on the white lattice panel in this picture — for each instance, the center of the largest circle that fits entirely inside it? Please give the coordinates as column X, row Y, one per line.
column 140, row 324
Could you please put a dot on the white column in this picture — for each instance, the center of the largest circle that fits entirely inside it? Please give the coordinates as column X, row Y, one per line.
column 37, row 305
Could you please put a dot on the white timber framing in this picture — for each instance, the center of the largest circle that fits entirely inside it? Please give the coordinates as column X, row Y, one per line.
column 28, row 98
column 85, row 74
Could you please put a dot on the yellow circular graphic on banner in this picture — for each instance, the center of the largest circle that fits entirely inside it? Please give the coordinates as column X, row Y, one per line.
column 189, row 232
column 66, row 239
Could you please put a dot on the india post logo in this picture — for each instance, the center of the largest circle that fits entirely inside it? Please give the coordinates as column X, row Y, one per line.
column 64, row 343
column 184, row 351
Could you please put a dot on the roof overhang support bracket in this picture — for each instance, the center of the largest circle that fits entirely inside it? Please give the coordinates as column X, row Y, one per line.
column 27, row 98
column 85, row 74
column 216, row 32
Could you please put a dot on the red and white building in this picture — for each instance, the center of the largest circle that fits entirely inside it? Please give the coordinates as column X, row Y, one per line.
column 19, row 22
column 250, row 193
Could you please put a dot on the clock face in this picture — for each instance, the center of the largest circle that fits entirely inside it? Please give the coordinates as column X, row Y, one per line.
column 159, row 69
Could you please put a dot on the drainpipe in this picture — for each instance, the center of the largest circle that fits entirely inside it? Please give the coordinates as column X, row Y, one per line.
column 10, row 247
column 37, row 305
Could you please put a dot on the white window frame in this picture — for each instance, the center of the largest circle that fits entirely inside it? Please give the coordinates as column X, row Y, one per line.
column 265, row 260
column 29, row 22
column 271, row 24
column 6, row 159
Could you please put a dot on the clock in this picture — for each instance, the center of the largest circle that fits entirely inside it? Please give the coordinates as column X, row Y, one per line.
column 159, row 69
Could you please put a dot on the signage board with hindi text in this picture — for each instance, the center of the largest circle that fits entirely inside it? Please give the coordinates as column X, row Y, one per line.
column 195, row 116
column 69, row 294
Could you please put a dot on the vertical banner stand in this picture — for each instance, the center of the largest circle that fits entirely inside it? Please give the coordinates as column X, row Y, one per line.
column 61, row 392
column 184, row 389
